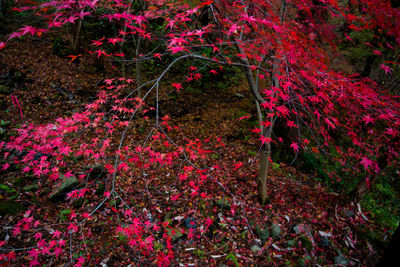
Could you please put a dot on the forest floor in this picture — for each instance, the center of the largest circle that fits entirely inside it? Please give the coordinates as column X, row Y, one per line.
column 303, row 224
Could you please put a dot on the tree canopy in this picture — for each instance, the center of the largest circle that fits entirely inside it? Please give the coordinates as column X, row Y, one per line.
column 305, row 103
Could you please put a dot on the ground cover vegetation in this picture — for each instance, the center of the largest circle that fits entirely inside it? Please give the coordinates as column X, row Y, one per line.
column 199, row 132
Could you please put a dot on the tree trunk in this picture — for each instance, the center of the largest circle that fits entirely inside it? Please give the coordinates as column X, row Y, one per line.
column 264, row 161
column 371, row 58
column 390, row 254
column 138, row 68
column 368, row 66
column 266, row 148
column 263, row 176
column 76, row 28
column 361, row 189
column 254, row 89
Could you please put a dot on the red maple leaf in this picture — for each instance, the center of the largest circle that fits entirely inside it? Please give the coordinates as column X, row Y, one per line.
column 177, row 86
column 265, row 140
column 295, row 147
column 387, row 69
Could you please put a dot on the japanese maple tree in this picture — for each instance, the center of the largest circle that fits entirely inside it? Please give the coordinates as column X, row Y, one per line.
column 285, row 50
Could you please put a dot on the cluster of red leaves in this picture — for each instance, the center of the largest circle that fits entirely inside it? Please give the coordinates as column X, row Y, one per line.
column 140, row 193
column 293, row 84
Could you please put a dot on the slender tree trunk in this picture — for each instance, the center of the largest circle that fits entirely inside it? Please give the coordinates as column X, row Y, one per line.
column 371, row 58
column 123, row 67
column 264, row 161
column 138, row 67
column 137, row 51
column 368, row 66
column 361, row 189
column 266, row 148
column 76, row 34
column 263, row 176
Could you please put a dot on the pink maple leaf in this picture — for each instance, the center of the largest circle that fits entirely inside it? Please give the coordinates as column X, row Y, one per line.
column 175, row 197
column 5, row 166
column 80, row 262
column 237, row 165
column 157, row 55
column 233, row 29
column 156, row 227
column 98, row 42
column 100, row 52
column 128, row 213
column 38, row 236
column 56, row 234
column 139, row 19
column 295, row 147
column 176, row 49
column 390, row 131
column 208, row 222
column 108, row 81
column 377, row 52
column 348, row 37
column 33, row 253
column 170, row 24
column 178, row 86
column 114, row 40
column 28, row 29
column 291, row 124
column 26, row 169
column 68, row 174
column 61, row 242
column 244, row 117
column 265, row 140
column 213, row 72
column 107, row 194
column 368, row 119
column 17, row 230
column 15, row 34
column 65, row 150
column 83, row 14
column 387, row 69
column 57, row 251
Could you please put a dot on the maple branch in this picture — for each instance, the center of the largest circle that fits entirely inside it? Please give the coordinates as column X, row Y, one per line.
column 127, row 127
column 246, row 66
